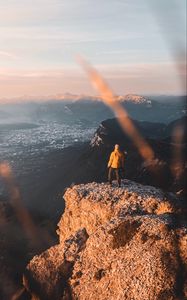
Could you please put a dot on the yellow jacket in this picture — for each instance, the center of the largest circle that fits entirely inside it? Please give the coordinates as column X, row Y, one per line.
column 116, row 159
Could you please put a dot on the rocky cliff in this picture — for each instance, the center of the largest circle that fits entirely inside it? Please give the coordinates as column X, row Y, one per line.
column 114, row 243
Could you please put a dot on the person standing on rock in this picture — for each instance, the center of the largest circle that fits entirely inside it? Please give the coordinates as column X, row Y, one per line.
column 115, row 164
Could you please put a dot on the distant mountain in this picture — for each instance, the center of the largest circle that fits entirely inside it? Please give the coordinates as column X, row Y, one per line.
column 169, row 99
column 138, row 107
column 77, row 97
column 135, row 99
column 110, row 130
column 89, row 110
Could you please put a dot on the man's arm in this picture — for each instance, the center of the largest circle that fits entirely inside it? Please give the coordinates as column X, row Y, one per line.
column 110, row 160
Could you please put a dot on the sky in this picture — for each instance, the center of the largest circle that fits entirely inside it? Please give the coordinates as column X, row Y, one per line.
column 138, row 46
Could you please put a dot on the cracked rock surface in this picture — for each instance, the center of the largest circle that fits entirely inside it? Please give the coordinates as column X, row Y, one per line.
column 114, row 243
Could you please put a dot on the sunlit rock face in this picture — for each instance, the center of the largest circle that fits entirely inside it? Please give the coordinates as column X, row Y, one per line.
column 114, row 243
column 135, row 99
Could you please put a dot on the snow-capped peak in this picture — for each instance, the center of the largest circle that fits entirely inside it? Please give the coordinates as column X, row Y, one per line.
column 134, row 98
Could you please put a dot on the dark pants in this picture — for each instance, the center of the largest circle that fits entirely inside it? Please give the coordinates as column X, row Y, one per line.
column 117, row 173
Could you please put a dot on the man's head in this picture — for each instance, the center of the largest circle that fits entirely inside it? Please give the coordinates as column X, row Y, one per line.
column 116, row 147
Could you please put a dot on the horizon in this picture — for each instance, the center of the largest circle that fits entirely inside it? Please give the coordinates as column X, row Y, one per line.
column 78, row 97
column 130, row 44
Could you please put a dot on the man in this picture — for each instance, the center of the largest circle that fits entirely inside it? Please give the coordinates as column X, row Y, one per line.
column 116, row 162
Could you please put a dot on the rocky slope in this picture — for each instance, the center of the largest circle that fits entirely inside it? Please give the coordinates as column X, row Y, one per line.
column 114, row 243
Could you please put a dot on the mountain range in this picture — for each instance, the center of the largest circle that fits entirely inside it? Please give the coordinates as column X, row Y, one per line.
column 89, row 110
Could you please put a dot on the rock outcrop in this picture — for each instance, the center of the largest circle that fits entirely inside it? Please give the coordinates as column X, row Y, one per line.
column 114, row 243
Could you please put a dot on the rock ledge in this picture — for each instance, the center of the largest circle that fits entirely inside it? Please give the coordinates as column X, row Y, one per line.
column 114, row 243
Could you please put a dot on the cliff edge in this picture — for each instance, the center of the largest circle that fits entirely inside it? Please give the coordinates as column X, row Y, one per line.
column 114, row 243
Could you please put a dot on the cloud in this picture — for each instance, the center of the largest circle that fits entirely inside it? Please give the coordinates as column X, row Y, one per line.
column 46, row 11
column 23, row 12
column 70, row 36
column 27, row 74
column 120, row 37
column 8, row 55
column 123, row 78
